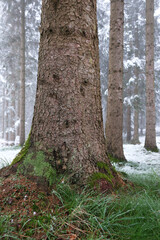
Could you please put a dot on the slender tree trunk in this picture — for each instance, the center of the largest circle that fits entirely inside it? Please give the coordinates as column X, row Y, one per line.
column 128, row 123
column 150, row 140
column 6, row 117
column 18, row 110
column 67, row 124
column 142, row 125
column 136, row 111
column 3, row 114
column 22, row 75
column 136, row 92
column 114, row 124
column 12, row 116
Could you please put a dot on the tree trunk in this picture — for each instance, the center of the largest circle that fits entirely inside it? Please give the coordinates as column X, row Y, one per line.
column 12, row 116
column 128, row 123
column 22, row 75
column 67, row 124
column 136, row 93
column 114, row 124
column 6, row 116
column 150, row 140
column 3, row 114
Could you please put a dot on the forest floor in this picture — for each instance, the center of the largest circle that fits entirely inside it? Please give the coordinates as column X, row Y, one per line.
column 65, row 212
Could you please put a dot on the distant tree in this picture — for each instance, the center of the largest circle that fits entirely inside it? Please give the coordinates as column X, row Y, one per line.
column 67, row 124
column 10, row 47
column 150, row 139
column 22, row 76
column 114, row 123
column 135, row 139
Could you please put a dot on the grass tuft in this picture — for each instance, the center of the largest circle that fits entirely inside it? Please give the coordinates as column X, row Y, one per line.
column 84, row 214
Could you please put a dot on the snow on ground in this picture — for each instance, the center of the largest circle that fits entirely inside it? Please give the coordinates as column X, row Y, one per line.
column 7, row 154
column 139, row 160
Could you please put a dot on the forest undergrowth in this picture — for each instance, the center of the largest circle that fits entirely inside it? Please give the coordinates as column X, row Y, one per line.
column 67, row 212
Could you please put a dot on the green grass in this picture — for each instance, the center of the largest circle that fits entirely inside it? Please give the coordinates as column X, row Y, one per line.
column 133, row 215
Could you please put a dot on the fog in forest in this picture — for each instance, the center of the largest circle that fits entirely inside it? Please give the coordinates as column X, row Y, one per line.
column 11, row 60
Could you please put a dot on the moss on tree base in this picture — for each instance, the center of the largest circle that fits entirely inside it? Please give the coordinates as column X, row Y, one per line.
column 104, row 180
column 152, row 149
column 23, row 152
column 37, row 166
column 116, row 159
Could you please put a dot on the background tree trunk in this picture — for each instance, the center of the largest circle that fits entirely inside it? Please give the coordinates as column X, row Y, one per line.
column 150, row 140
column 114, row 124
column 12, row 116
column 3, row 114
column 22, row 75
column 136, row 85
column 128, row 124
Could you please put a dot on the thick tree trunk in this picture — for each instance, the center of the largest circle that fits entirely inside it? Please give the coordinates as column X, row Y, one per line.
column 150, row 140
column 67, row 125
column 22, row 75
column 114, row 124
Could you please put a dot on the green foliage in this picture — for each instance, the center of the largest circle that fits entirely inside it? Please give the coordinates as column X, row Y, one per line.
column 38, row 167
column 6, row 228
column 23, row 152
column 132, row 215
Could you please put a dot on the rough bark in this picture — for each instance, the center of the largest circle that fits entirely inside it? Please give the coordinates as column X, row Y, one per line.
column 114, row 124
column 22, row 76
column 67, row 124
column 150, row 139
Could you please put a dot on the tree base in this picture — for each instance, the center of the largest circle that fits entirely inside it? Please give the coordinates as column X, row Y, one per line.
column 115, row 159
column 152, row 149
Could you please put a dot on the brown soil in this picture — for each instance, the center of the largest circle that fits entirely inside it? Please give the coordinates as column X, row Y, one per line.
column 27, row 204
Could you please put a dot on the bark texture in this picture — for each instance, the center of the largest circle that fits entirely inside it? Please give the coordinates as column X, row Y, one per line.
column 67, row 123
column 22, row 76
column 150, row 140
column 114, row 124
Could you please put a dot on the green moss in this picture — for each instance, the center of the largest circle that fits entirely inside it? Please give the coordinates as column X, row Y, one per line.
column 116, row 160
column 23, row 151
column 98, row 176
column 104, row 166
column 155, row 149
column 107, row 174
column 37, row 166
